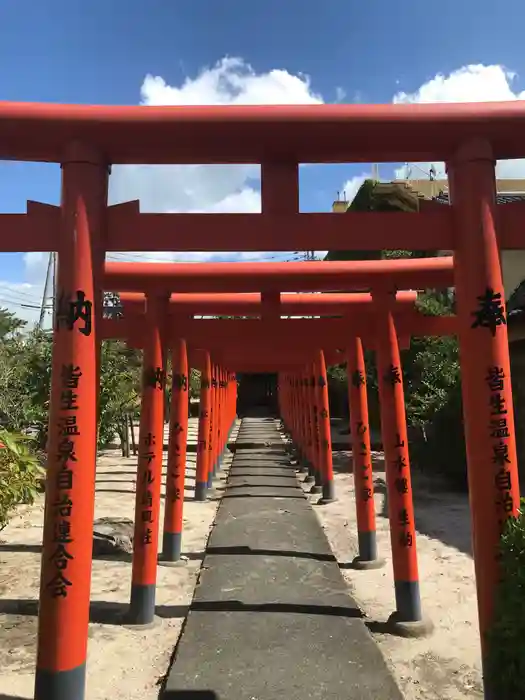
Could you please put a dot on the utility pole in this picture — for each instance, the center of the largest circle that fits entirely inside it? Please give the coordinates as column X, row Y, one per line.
column 47, row 285
column 55, row 259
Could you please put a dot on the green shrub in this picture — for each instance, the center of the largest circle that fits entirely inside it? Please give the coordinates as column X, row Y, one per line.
column 440, row 447
column 506, row 641
column 21, row 474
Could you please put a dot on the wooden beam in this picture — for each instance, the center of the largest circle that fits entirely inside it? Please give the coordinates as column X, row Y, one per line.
column 129, row 230
column 322, row 133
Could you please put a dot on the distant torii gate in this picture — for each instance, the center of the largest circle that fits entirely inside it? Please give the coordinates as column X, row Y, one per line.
column 271, row 333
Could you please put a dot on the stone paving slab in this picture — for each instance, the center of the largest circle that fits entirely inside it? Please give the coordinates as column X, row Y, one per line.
column 271, row 617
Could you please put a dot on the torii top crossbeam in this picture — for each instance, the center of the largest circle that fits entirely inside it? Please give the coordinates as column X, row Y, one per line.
column 254, row 304
column 419, row 273
column 255, row 134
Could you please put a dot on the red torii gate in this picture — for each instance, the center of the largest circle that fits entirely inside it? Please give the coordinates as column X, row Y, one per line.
column 408, row 607
column 159, row 281
column 86, row 140
column 291, row 304
column 164, row 279
column 289, row 333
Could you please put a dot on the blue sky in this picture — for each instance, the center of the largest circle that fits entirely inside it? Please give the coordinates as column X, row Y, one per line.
column 103, row 51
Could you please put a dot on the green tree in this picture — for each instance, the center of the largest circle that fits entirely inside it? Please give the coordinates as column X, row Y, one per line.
column 120, row 374
column 9, row 323
column 21, row 473
column 25, row 380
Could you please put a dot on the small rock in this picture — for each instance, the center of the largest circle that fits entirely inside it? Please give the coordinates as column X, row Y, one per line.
column 112, row 536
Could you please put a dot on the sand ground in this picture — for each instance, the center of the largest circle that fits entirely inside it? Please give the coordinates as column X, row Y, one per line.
column 122, row 663
column 128, row 664
column 447, row 664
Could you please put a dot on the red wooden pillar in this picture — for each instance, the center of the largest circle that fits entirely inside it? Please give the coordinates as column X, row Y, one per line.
column 298, row 411
column 485, row 367
column 301, row 391
column 315, row 476
column 225, row 423
column 233, row 400
column 283, row 402
column 220, row 424
column 325, row 437
column 212, row 440
column 362, row 458
column 230, row 403
column 293, row 407
column 176, row 469
column 306, row 421
column 407, row 618
column 201, row 484
column 308, row 408
column 293, row 410
column 284, row 410
column 149, row 471
column 280, row 407
column 70, row 485
column 288, row 403
column 310, row 402
column 297, row 404
column 299, row 416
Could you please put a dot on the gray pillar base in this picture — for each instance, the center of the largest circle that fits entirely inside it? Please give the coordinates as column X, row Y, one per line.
column 201, row 490
column 171, row 546
column 408, row 601
column 316, row 489
column 328, row 493
column 367, row 564
column 141, row 610
column 310, row 479
column 367, row 541
column 325, row 501
column 409, row 628
column 60, row 685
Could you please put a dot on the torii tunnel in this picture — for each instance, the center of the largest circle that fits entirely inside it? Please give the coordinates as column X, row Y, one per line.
column 86, row 141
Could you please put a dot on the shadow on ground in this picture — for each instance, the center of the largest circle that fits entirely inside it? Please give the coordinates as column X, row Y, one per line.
column 250, row 551
column 291, row 608
column 439, row 513
column 179, row 695
column 100, row 611
column 342, row 462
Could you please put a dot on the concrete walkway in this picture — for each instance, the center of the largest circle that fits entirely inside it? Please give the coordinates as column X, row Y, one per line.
column 271, row 617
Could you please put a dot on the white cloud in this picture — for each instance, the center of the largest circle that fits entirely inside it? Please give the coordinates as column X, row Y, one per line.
column 231, row 81
column 472, row 83
column 351, row 187
column 217, row 188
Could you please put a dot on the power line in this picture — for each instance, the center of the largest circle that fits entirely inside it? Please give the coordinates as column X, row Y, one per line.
column 20, row 293
column 12, row 299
